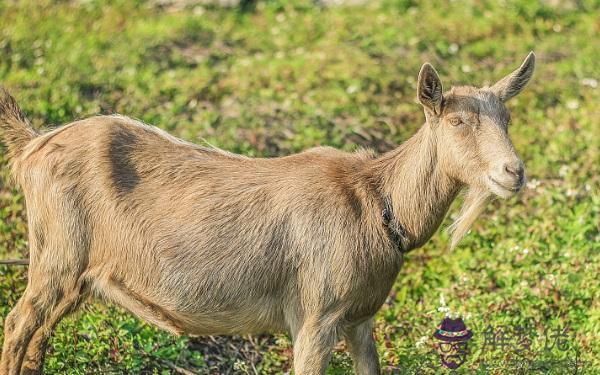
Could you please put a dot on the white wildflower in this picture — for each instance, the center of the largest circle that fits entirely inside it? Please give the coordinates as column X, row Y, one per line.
column 444, row 309
column 591, row 82
column 533, row 184
column 352, row 89
column 572, row 104
column 240, row 366
column 198, row 11
column 421, row 341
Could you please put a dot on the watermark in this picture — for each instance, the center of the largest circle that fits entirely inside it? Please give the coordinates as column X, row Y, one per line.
column 555, row 347
column 516, row 348
column 452, row 338
column 519, row 339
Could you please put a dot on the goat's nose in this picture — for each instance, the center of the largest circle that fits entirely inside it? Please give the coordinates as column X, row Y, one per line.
column 515, row 169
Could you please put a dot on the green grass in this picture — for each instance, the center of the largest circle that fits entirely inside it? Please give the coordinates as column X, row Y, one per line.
column 286, row 77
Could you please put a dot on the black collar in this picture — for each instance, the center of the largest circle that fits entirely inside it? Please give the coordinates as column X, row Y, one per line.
column 396, row 230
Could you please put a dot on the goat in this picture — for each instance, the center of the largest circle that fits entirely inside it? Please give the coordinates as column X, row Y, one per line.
column 201, row 241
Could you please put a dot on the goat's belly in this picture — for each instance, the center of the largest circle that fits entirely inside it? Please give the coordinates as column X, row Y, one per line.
column 262, row 316
column 237, row 309
column 195, row 283
column 202, row 315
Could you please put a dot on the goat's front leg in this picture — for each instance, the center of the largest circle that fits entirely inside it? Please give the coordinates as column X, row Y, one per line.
column 362, row 348
column 312, row 346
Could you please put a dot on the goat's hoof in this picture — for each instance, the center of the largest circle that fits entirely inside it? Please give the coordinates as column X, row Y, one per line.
column 31, row 371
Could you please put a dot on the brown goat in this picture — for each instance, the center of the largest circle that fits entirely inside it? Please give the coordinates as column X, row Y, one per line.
column 201, row 241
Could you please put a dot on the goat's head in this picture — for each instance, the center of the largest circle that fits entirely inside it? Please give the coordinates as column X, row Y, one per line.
column 471, row 128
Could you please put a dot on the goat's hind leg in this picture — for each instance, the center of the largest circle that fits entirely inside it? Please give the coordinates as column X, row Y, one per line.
column 55, row 287
column 33, row 362
column 46, row 300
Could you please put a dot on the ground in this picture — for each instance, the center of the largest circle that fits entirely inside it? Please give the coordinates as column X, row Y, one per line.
column 275, row 78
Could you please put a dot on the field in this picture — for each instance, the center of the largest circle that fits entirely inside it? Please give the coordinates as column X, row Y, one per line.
column 277, row 77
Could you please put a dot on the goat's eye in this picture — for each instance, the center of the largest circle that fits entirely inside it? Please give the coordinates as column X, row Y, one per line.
column 455, row 121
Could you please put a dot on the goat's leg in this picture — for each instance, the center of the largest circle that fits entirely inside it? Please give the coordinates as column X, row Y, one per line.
column 48, row 297
column 312, row 346
column 34, row 357
column 362, row 348
column 20, row 325
column 36, row 351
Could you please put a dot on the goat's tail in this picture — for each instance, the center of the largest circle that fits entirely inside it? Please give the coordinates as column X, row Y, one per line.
column 15, row 130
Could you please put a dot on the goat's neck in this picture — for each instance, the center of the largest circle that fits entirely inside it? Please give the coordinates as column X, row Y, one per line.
column 420, row 192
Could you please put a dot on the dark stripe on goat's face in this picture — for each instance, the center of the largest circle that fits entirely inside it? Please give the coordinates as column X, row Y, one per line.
column 123, row 171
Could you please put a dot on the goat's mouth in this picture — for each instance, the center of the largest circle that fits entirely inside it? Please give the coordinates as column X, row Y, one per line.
column 504, row 190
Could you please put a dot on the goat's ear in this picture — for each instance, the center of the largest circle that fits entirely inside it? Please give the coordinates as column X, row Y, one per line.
column 429, row 89
column 516, row 81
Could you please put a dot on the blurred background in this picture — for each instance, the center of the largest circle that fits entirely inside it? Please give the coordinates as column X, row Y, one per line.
column 273, row 78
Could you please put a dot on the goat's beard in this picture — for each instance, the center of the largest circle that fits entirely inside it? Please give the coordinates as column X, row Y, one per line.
column 474, row 203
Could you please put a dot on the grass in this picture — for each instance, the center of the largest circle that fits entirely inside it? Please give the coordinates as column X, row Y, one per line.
column 286, row 76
